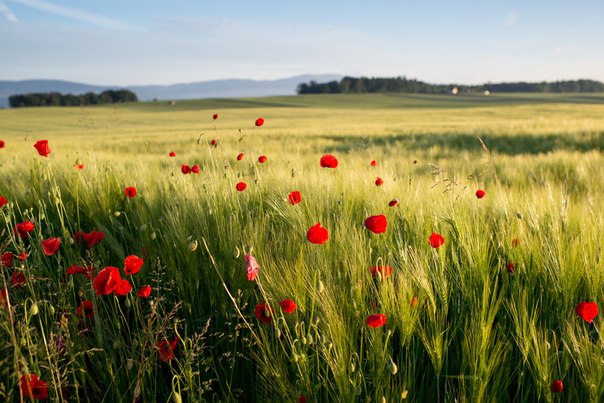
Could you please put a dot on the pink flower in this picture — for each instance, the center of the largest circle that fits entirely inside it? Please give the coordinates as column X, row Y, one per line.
column 251, row 267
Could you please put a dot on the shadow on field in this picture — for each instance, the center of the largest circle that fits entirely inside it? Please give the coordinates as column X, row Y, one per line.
column 500, row 144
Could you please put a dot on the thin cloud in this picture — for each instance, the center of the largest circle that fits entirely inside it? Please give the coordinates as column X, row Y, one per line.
column 75, row 14
column 511, row 19
column 7, row 13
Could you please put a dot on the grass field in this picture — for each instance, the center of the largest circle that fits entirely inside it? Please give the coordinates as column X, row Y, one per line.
column 496, row 313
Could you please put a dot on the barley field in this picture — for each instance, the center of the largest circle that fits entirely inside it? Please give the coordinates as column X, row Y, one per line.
column 458, row 255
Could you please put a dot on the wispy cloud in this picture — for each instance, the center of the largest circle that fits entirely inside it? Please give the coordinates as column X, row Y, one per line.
column 510, row 19
column 7, row 13
column 562, row 50
column 75, row 14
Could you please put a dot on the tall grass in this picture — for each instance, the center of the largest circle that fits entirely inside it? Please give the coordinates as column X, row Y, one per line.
column 460, row 327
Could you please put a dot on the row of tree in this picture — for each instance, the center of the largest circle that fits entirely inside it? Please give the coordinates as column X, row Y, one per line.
column 353, row 85
column 58, row 99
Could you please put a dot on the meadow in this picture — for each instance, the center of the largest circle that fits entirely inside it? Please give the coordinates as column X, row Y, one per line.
column 502, row 308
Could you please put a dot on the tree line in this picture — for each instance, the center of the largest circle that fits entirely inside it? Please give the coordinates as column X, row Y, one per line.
column 362, row 85
column 58, row 99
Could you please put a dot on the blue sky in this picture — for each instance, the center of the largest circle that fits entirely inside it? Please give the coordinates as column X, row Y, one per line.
column 128, row 42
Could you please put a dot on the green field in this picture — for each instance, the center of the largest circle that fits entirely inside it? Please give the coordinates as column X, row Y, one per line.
column 459, row 325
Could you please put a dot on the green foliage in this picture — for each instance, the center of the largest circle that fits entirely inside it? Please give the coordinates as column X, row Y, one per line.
column 57, row 99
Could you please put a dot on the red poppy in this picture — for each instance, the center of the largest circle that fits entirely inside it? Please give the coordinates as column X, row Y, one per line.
column 436, row 240
column 165, row 349
column 107, row 280
column 17, row 279
column 123, row 288
column 317, row 234
column 414, row 301
column 294, row 197
column 557, row 386
column 264, row 313
column 215, row 116
column 329, row 161
column 132, row 264
column 373, row 163
column 79, row 166
column 376, row 320
column 385, row 271
column 379, row 181
column 91, row 238
column 185, row 169
column 50, row 246
column 7, row 259
column 214, row 142
column 511, row 267
column 240, row 186
column 302, row 399
column 393, row 203
column 86, row 309
column 515, row 242
column 33, row 388
column 24, row 228
column 172, row 154
column 130, row 192
column 87, row 271
column 2, row 143
column 262, row 159
column 3, row 201
column 259, row 122
column 376, row 223
column 251, row 267
column 240, row 156
column 287, row 305
column 195, row 169
column 22, row 256
column 480, row 193
column 587, row 311
column 42, row 147
column 3, row 297
column 144, row 291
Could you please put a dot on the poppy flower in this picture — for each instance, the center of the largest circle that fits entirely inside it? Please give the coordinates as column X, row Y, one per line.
column 132, row 264
column 3, row 201
column 262, row 159
column 376, row 320
column 259, row 122
column 107, row 280
column 42, row 147
column 17, row 279
column 414, row 301
column 328, row 161
column 130, row 192
column 86, row 309
column 24, row 228
column 240, row 186
column 251, row 267
column 2, row 144
column 90, row 238
column 515, row 242
column 195, row 169
column 50, row 246
column 165, row 349
column 144, row 291
column 480, row 193
column 264, row 313
column 22, row 256
column 215, row 116
column 172, row 154
column 557, row 386
column 123, row 288
column 376, row 223
column 33, row 388
column 317, row 234
column 294, row 197
column 511, row 267
column 3, row 297
column 393, row 203
column 436, row 240
column 379, row 181
column 302, row 399
column 288, row 305
column 373, row 163
column 185, row 169
column 587, row 311
column 240, row 156
column 214, row 142
column 7, row 259
column 79, row 166
column 385, row 271
column 87, row 271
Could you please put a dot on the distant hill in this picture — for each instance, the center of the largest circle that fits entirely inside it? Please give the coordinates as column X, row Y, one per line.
column 206, row 89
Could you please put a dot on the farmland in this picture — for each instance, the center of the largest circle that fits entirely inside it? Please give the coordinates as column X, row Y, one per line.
column 495, row 313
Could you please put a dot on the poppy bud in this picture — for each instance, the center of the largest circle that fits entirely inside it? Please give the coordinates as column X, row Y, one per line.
column 33, row 309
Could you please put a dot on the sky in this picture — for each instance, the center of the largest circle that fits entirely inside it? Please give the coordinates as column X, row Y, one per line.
column 139, row 42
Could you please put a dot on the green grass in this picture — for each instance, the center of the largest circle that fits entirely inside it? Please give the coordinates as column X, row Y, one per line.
column 477, row 333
